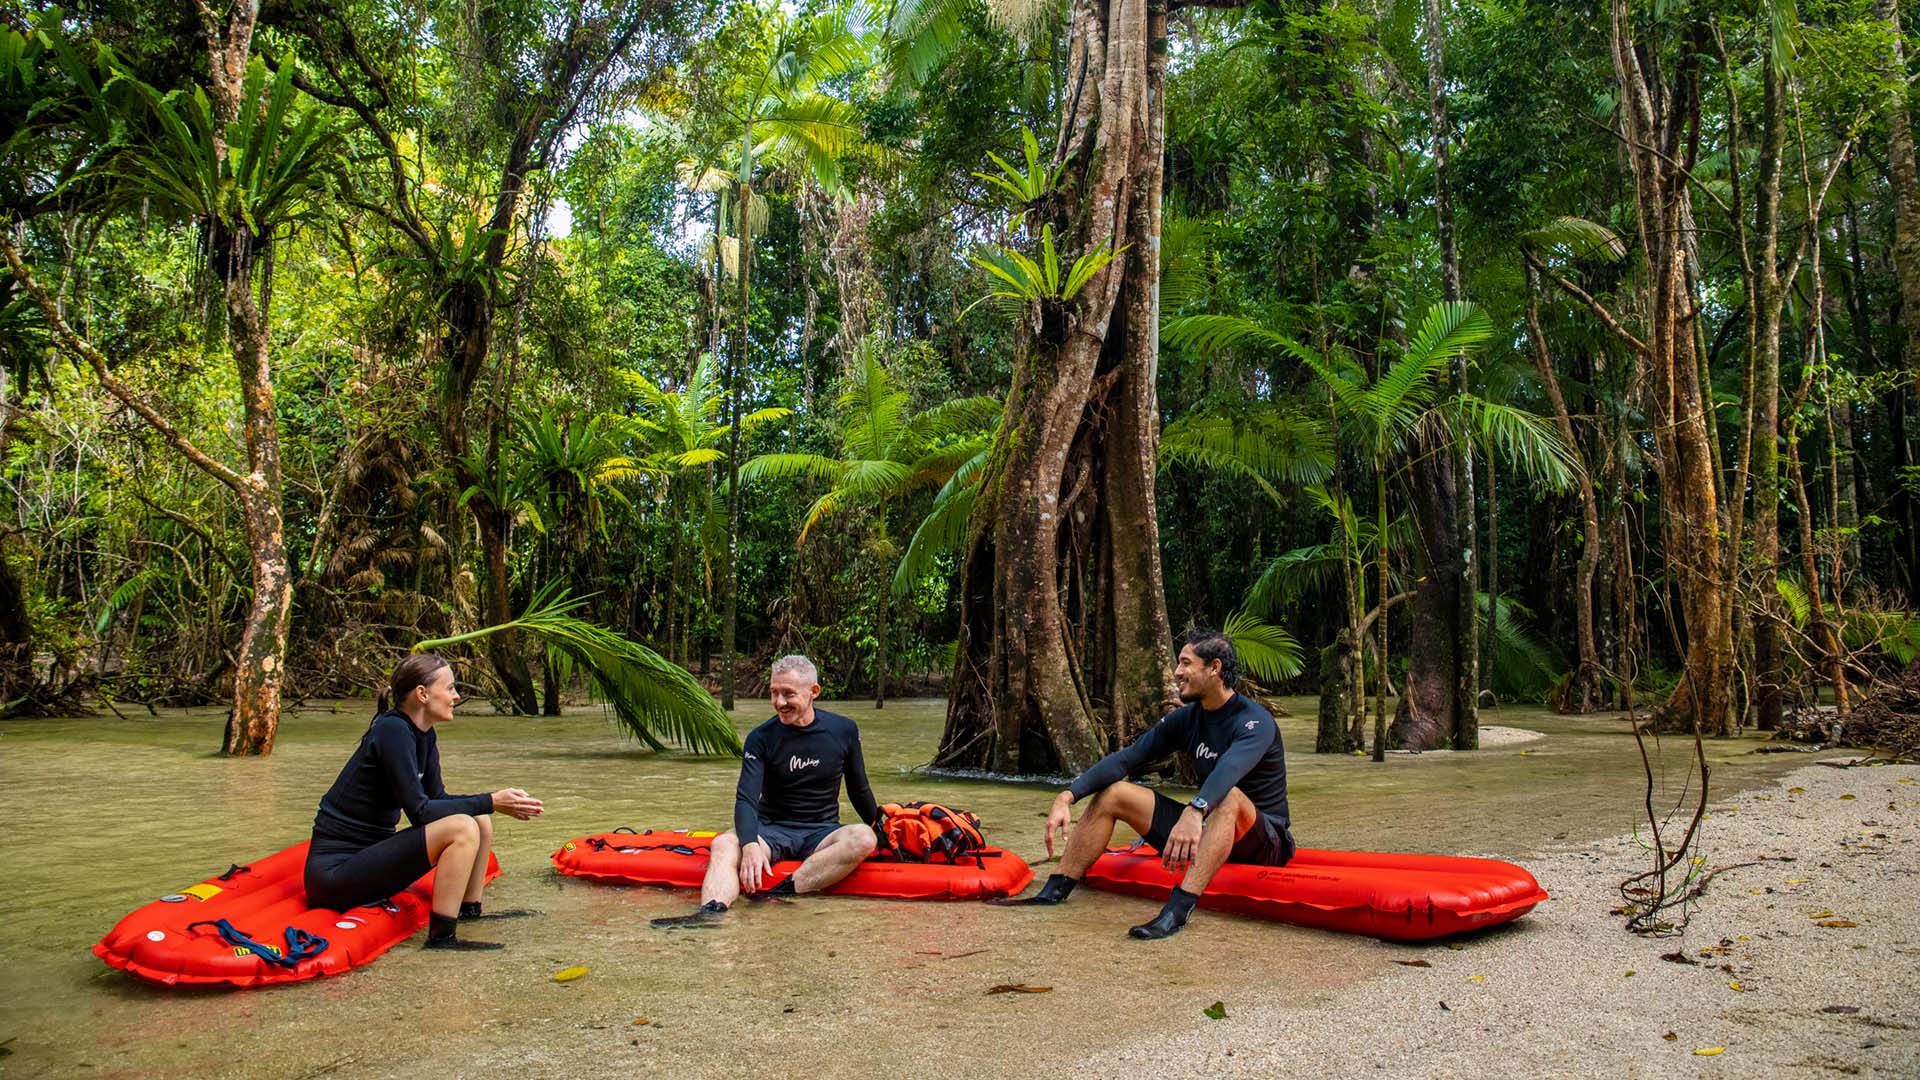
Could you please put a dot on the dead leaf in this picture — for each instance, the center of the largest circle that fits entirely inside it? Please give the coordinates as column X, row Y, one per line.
column 1455, row 946
column 1020, row 988
column 641, row 1021
column 1734, row 985
column 1678, row 957
column 1821, row 915
column 1413, row 963
column 1841, row 1010
column 1629, row 974
column 1797, row 790
column 1837, row 924
column 1671, row 1036
column 1798, row 880
column 569, row 974
column 1710, row 1051
column 1476, row 978
column 1848, row 796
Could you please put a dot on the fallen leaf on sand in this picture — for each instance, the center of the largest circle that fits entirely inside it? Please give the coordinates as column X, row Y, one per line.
column 1629, row 974
column 641, row 1021
column 1671, row 1036
column 1848, row 796
column 1020, row 988
column 1455, row 946
column 1837, row 924
column 569, row 974
column 1710, row 1051
column 1821, row 915
column 1678, row 957
column 1798, row 880
column 1413, row 963
column 1841, row 1010
column 1476, row 978
column 1797, row 790
column 1734, row 985
column 1215, row 1011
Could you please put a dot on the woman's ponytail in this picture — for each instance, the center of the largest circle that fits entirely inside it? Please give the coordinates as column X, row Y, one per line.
column 412, row 672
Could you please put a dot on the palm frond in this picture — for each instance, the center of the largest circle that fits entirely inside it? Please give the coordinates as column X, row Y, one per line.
column 1266, row 650
column 655, row 700
column 1303, row 571
column 1526, row 441
column 1581, row 238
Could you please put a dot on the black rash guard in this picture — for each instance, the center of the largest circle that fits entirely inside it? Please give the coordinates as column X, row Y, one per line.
column 1238, row 746
column 395, row 770
column 791, row 775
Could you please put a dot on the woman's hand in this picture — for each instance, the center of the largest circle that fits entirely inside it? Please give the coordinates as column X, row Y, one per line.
column 516, row 803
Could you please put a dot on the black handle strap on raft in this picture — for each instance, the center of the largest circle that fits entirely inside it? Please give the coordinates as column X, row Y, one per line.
column 300, row 944
column 233, row 871
column 599, row 845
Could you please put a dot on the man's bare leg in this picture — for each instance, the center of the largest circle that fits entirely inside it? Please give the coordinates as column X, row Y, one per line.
column 1222, row 828
column 1122, row 801
column 718, row 890
column 835, row 858
column 1119, row 802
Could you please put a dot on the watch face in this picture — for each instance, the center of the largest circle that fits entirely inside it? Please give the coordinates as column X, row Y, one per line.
column 1199, row 804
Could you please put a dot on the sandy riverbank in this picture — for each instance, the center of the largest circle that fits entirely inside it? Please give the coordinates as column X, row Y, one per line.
column 1567, row 992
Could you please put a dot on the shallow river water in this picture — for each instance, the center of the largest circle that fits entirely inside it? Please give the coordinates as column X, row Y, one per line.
column 102, row 815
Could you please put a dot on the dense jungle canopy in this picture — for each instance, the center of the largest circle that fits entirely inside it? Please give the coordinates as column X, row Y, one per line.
column 1443, row 353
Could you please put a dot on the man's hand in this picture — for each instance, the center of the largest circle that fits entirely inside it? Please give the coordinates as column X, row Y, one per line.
column 756, row 864
column 1060, row 819
column 516, row 803
column 1183, row 843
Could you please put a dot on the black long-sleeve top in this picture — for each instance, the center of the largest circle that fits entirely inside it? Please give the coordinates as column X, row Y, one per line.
column 1236, row 746
column 394, row 770
column 791, row 775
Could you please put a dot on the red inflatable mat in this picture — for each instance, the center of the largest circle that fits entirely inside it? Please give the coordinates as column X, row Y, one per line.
column 1397, row 897
column 679, row 859
column 261, row 900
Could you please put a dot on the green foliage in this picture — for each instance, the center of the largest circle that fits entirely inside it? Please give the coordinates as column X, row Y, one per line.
column 655, row 700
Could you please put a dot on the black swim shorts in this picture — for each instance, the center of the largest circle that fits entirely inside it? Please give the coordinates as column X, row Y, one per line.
column 795, row 841
column 1263, row 844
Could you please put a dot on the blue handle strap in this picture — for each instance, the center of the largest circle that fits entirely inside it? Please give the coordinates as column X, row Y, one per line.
column 301, row 945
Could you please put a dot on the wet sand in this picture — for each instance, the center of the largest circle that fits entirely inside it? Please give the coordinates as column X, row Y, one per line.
column 106, row 814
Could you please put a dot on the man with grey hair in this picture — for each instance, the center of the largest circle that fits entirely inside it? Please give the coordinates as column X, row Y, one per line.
column 788, row 803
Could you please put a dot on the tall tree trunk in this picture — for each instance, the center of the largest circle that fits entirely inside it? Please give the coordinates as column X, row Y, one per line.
column 1904, row 178
column 1079, row 444
column 1440, row 705
column 1584, row 691
column 1660, row 116
column 260, row 664
column 1763, row 397
column 1904, row 182
column 737, row 368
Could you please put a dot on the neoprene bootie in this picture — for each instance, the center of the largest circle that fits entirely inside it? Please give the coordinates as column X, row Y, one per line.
column 785, row 888
column 440, row 935
column 704, row 915
column 1171, row 918
column 471, row 910
column 1056, row 890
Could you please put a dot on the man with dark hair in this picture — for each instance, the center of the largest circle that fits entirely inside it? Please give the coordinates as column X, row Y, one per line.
column 1240, row 814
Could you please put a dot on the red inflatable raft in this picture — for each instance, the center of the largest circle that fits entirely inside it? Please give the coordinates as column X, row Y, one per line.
column 679, row 859
column 180, row 939
column 1397, row 897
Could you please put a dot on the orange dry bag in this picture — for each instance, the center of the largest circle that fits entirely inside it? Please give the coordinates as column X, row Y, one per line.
column 924, row 831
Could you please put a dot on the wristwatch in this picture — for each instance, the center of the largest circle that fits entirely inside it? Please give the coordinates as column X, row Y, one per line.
column 1201, row 804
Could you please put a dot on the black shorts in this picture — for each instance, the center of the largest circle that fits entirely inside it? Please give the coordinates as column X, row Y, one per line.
column 795, row 842
column 340, row 876
column 1263, row 844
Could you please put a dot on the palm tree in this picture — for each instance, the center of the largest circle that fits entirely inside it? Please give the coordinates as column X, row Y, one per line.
column 684, row 438
column 1381, row 415
column 885, row 452
column 780, row 113
column 242, row 159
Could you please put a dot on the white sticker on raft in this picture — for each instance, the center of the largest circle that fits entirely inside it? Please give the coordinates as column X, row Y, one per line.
column 344, row 925
column 155, row 935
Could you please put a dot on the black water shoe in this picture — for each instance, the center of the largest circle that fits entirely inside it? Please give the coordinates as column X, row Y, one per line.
column 462, row 944
column 440, row 935
column 785, row 888
column 704, row 915
column 1056, row 890
column 1171, row 918
column 470, row 910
